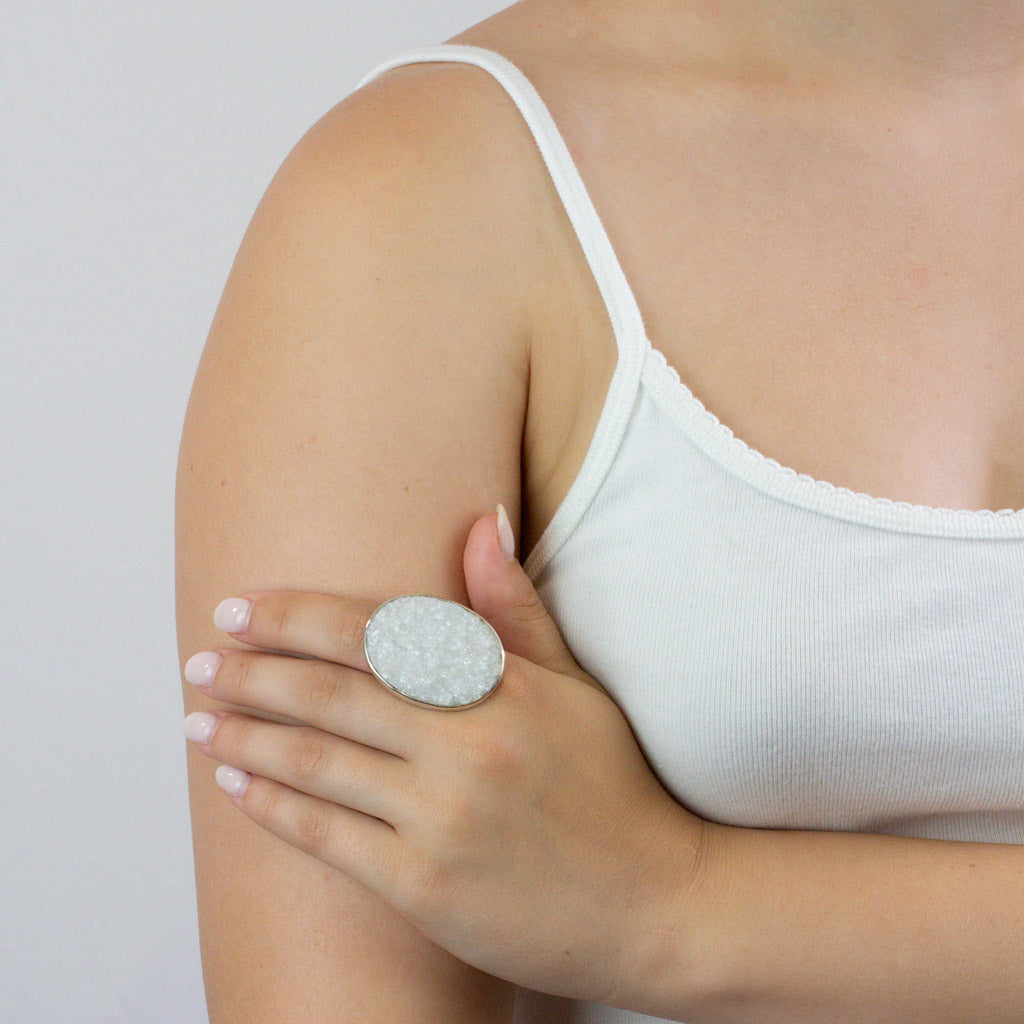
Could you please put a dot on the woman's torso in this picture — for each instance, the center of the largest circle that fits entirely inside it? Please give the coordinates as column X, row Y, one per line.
column 838, row 279
column 837, row 275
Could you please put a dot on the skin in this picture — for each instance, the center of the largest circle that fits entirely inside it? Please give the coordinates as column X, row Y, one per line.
column 378, row 261
column 549, row 856
column 888, row 193
column 777, row 127
column 535, row 853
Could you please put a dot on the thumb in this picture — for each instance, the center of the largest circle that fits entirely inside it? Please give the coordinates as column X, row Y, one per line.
column 501, row 592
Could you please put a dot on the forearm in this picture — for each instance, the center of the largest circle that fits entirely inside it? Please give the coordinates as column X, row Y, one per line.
column 785, row 926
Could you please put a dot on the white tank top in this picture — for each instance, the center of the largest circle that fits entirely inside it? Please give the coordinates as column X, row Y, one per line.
column 790, row 654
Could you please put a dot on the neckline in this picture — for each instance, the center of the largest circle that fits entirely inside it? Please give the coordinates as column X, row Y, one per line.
column 639, row 359
column 768, row 475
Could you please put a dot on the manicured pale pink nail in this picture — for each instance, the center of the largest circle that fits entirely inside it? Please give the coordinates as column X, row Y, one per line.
column 232, row 614
column 232, row 780
column 202, row 667
column 506, row 539
column 200, row 726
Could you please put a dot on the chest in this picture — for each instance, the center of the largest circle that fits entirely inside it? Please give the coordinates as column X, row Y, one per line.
column 849, row 302
column 782, row 668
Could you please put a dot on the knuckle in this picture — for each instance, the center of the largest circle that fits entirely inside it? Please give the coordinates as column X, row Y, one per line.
column 514, row 688
column 320, row 690
column 314, row 829
column 495, row 753
column 349, row 630
column 241, row 681
column 261, row 802
column 426, row 887
column 276, row 619
column 529, row 614
column 307, row 755
column 231, row 741
column 527, row 699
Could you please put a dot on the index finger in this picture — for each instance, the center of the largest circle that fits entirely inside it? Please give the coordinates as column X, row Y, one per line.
column 323, row 626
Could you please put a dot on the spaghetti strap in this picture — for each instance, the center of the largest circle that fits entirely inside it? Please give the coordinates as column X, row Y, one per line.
column 619, row 300
column 618, row 297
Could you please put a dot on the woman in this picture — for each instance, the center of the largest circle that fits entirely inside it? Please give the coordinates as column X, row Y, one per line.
column 804, row 799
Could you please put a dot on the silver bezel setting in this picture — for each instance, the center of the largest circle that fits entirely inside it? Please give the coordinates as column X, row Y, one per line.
column 497, row 652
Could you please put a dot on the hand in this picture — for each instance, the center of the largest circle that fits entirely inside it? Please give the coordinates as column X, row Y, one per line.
column 525, row 835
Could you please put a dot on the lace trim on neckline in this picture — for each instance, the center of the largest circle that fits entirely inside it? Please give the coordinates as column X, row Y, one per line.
column 719, row 442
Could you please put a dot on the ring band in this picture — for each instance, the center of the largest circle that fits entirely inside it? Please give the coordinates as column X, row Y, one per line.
column 433, row 652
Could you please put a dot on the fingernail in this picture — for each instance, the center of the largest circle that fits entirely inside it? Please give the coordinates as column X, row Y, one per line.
column 200, row 726
column 506, row 539
column 232, row 780
column 232, row 614
column 202, row 667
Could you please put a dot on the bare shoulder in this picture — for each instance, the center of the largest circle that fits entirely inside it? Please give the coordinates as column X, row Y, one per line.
column 424, row 154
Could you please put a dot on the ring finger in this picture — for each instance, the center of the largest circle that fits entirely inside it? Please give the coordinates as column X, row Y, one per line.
column 309, row 760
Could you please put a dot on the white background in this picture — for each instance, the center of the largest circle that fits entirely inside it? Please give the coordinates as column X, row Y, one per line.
column 136, row 140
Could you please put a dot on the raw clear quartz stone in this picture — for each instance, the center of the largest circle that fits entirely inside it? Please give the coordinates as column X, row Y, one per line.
column 433, row 651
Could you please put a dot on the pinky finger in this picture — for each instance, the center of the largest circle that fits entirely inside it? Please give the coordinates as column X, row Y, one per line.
column 357, row 844
column 233, row 781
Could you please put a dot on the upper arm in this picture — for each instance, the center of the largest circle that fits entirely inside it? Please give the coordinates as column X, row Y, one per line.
column 359, row 403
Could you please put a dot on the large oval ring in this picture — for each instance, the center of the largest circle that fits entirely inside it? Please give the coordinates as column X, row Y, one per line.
column 433, row 652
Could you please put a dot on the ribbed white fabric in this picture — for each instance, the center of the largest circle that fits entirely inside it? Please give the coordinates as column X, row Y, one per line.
column 790, row 654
